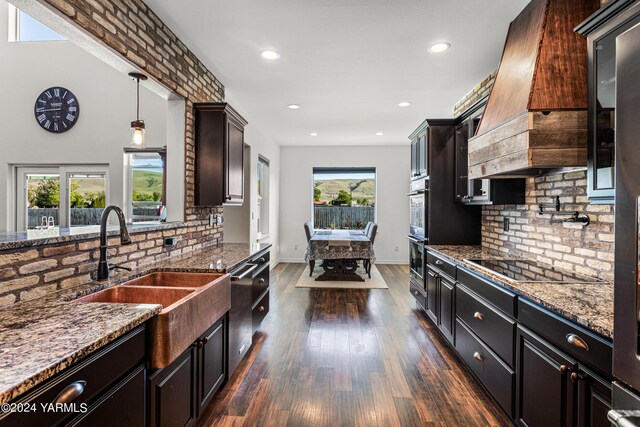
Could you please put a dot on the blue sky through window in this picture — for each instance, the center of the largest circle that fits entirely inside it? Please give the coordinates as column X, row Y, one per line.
column 33, row 30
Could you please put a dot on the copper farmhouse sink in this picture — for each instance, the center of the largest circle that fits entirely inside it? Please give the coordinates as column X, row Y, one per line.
column 174, row 280
column 191, row 302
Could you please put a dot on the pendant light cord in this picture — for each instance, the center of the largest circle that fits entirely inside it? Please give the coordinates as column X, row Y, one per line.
column 138, row 99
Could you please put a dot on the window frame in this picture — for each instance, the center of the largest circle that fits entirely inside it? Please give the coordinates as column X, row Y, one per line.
column 263, row 197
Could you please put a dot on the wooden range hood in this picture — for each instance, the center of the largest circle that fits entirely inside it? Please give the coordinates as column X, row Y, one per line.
column 535, row 121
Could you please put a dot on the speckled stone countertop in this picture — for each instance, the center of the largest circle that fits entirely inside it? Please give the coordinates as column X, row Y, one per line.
column 588, row 304
column 42, row 337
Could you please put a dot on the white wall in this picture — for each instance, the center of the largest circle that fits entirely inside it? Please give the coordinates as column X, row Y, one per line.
column 107, row 106
column 261, row 145
column 392, row 206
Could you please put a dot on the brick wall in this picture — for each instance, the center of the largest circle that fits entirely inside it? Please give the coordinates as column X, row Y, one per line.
column 131, row 29
column 481, row 90
column 546, row 238
column 32, row 272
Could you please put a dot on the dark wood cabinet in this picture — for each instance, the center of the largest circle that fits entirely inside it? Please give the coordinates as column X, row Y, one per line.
column 419, row 154
column 107, row 379
column 554, row 389
column 480, row 191
column 172, row 392
column 446, row 307
column 526, row 356
column 179, row 392
column 212, row 362
column 601, row 30
column 432, row 294
column 219, row 146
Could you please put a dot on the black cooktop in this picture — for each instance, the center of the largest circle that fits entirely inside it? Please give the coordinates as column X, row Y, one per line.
column 523, row 270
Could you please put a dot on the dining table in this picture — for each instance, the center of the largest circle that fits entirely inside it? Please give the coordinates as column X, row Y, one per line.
column 340, row 251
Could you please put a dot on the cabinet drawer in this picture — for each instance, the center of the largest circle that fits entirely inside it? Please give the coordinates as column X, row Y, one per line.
column 496, row 376
column 124, row 405
column 587, row 347
column 418, row 293
column 503, row 299
column 440, row 263
column 260, row 311
column 90, row 378
column 494, row 328
column 261, row 258
column 260, row 283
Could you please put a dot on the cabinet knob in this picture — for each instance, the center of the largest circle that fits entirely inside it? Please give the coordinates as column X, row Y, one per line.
column 205, row 340
column 261, row 308
column 261, row 260
column 228, row 198
column 478, row 356
column 199, row 344
column 576, row 341
column 70, row 392
column 438, row 262
column 563, row 369
column 415, row 292
column 577, row 376
column 478, row 315
column 261, row 280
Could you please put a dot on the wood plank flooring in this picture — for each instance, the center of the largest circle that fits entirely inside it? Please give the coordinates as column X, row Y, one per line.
column 342, row 357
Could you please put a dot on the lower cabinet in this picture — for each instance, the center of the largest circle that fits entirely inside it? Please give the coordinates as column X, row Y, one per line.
column 553, row 389
column 432, row 294
column 179, row 392
column 106, row 388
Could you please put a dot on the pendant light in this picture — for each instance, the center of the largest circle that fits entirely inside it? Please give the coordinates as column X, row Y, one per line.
column 137, row 126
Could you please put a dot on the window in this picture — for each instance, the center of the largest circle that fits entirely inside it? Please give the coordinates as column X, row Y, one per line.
column 60, row 196
column 25, row 28
column 343, row 198
column 145, row 185
column 263, row 197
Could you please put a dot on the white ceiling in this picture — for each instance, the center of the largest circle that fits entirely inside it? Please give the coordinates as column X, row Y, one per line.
column 348, row 63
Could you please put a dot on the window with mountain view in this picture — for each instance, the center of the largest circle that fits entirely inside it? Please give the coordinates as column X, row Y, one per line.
column 343, row 198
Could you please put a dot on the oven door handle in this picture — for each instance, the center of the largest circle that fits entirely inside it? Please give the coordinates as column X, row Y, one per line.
column 416, row 193
column 414, row 240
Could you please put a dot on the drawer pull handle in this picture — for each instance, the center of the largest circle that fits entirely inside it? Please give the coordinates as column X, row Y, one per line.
column 70, row 392
column 478, row 315
column 478, row 356
column 261, row 280
column 416, row 292
column 261, row 308
column 438, row 262
column 576, row 341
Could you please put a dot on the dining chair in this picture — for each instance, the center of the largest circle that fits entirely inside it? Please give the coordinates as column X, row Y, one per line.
column 371, row 234
column 367, row 228
column 308, row 230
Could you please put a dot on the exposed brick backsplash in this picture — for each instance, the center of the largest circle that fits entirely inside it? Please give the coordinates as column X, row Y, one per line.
column 29, row 273
column 546, row 238
column 131, row 29
column 481, row 90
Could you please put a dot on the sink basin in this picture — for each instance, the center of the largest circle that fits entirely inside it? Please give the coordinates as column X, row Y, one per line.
column 124, row 294
column 191, row 302
column 174, row 280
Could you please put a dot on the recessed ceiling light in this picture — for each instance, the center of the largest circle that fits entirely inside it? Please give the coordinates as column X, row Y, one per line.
column 270, row 54
column 439, row 47
column 293, row 106
column 379, row 133
column 404, row 104
column 314, row 134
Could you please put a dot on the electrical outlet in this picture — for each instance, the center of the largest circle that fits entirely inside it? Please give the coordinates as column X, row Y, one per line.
column 295, row 247
column 505, row 224
column 396, row 248
column 219, row 219
column 210, row 220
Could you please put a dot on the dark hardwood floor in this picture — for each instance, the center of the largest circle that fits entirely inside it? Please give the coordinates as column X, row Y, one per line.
column 338, row 357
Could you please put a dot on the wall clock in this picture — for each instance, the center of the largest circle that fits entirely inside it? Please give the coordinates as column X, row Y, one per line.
column 56, row 109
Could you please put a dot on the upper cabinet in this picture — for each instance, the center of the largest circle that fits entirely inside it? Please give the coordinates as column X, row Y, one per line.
column 480, row 191
column 219, row 145
column 601, row 30
column 536, row 119
column 419, row 152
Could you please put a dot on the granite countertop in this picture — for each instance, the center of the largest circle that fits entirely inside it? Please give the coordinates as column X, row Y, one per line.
column 41, row 337
column 588, row 304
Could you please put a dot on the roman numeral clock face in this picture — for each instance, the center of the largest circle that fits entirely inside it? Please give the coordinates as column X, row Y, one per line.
column 57, row 110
